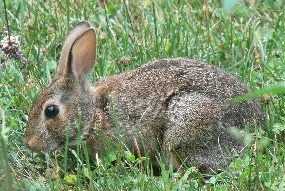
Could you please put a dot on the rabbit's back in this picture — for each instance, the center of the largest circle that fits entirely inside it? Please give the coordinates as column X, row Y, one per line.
column 145, row 91
column 164, row 77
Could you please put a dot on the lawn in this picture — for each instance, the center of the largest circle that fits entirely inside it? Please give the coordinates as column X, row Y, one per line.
column 245, row 38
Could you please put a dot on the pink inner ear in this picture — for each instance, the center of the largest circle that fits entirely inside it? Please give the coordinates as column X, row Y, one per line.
column 83, row 59
column 69, row 41
column 84, row 53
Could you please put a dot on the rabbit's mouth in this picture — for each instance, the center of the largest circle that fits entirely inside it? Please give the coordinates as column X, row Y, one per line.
column 75, row 142
column 37, row 144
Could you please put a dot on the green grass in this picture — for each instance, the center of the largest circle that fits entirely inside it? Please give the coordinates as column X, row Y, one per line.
column 247, row 41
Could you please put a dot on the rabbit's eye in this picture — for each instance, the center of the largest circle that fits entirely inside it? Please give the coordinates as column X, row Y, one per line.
column 51, row 111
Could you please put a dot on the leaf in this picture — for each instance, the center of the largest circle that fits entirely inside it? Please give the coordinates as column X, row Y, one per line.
column 229, row 4
column 86, row 172
column 35, row 185
column 50, row 68
column 130, row 157
column 70, row 178
column 278, row 128
column 112, row 156
column 278, row 88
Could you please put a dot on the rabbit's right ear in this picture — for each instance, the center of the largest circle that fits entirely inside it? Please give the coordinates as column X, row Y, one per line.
column 73, row 34
column 82, row 55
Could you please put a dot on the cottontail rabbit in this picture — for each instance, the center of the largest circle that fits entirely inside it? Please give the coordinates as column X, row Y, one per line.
column 175, row 107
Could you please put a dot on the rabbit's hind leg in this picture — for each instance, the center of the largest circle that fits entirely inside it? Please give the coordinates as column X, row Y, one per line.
column 193, row 130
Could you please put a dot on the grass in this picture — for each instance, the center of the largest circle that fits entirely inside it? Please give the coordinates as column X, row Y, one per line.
column 247, row 41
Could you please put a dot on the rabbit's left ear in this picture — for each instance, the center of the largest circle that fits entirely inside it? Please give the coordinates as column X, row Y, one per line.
column 72, row 35
column 82, row 55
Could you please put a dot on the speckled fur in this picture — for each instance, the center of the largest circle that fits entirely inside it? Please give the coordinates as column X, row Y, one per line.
column 175, row 107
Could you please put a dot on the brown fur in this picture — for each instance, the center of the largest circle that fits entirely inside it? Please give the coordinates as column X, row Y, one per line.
column 175, row 107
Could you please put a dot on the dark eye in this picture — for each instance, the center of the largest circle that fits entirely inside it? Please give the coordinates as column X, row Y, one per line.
column 51, row 111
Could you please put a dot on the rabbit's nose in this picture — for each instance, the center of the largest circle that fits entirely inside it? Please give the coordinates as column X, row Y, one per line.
column 25, row 141
column 29, row 141
column 34, row 143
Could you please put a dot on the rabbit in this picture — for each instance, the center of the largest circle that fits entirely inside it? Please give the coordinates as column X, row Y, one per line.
column 173, row 109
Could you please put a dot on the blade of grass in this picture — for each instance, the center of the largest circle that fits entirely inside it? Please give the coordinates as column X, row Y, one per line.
column 278, row 88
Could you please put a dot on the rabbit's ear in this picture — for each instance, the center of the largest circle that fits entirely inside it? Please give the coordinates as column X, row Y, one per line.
column 73, row 34
column 82, row 55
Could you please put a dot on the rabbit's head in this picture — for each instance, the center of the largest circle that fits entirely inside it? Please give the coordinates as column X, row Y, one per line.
column 67, row 102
